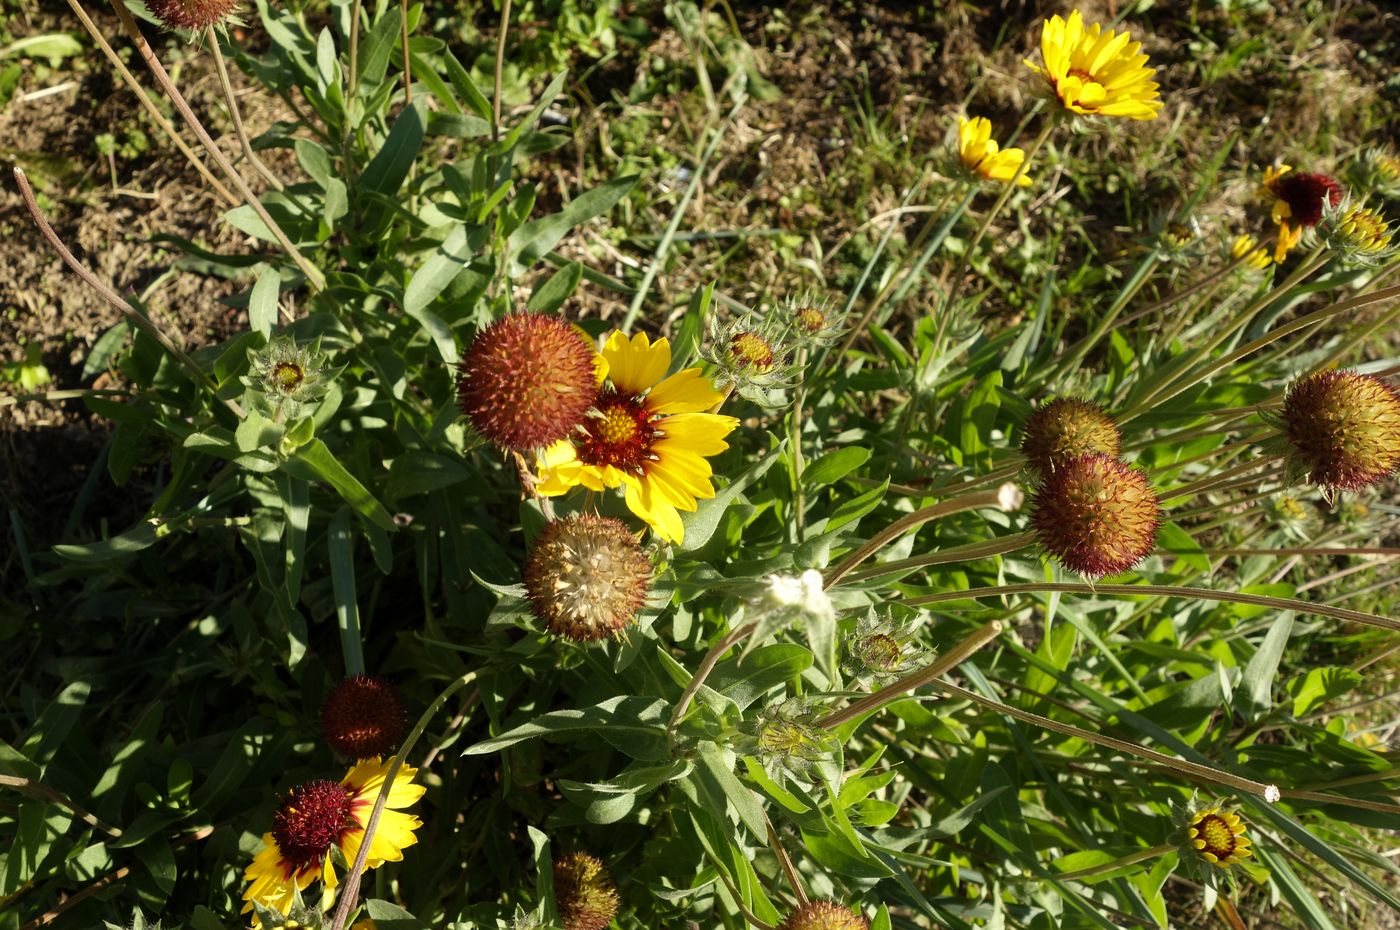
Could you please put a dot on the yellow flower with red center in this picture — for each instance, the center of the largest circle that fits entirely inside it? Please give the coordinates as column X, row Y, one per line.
column 1218, row 837
column 1096, row 73
column 647, row 433
column 1298, row 201
column 317, row 817
column 981, row 155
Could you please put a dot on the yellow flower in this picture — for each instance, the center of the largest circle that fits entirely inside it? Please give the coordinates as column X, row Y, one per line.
column 1250, row 253
column 981, row 155
column 319, row 816
column 1096, row 73
column 1218, row 838
column 647, row 433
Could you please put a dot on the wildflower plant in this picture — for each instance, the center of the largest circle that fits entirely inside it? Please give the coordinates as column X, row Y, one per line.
column 746, row 606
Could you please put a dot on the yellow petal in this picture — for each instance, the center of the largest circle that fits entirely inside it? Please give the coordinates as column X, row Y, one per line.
column 687, row 391
column 636, row 364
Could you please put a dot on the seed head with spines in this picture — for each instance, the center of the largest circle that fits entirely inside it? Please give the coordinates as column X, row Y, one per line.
column 1096, row 515
column 527, row 380
column 584, row 892
column 586, row 577
column 1067, row 427
column 824, row 915
column 363, row 717
column 1343, row 429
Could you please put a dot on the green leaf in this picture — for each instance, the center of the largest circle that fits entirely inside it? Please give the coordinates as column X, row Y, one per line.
column 760, row 671
column 718, row 766
column 1258, row 681
column 379, row 43
column 315, row 462
column 549, row 295
column 536, row 238
column 386, row 172
column 1320, row 685
column 418, row 472
column 618, row 720
column 834, row 466
column 140, row 536
column 262, row 301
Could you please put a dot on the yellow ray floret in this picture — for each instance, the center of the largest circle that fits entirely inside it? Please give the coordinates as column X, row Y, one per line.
column 1096, row 73
column 980, row 154
column 648, row 434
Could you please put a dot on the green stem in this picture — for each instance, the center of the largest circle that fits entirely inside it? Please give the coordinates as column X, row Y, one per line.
column 1122, row 861
column 1138, row 590
column 969, row 552
column 351, row 889
column 707, row 665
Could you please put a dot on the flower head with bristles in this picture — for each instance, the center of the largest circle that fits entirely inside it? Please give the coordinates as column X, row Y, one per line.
column 587, row 577
column 1343, row 429
column 1357, row 234
column 584, row 893
column 824, row 915
column 1091, row 72
column 1218, row 837
column 527, row 380
column 882, row 647
column 363, row 716
column 754, row 353
column 1096, row 515
column 195, row 15
column 1377, row 171
column 813, row 321
column 1067, row 427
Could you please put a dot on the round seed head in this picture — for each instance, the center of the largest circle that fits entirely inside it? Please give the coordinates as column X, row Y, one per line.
column 363, row 717
column 1096, row 515
column 586, row 577
column 1067, row 427
column 1344, row 428
column 310, row 820
column 190, row 14
column 526, row 381
column 1305, row 193
column 824, row 915
column 584, row 892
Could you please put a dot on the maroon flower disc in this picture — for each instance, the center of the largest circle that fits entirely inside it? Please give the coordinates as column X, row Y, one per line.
column 363, row 717
column 190, row 14
column 1096, row 515
column 1344, row 428
column 526, row 381
column 310, row 820
column 1304, row 192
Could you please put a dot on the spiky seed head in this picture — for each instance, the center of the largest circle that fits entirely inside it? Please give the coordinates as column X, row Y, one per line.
column 1344, row 428
column 1067, row 427
column 526, row 381
column 1305, row 193
column 586, row 577
column 190, row 14
column 824, row 915
column 363, row 717
column 1096, row 515
column 584, row 892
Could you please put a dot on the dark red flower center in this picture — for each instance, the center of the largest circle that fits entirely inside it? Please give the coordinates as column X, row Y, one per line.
column 619, row 433
column 1304, row 193
column 287, row 376
column 313, row 818
column 1219, row 838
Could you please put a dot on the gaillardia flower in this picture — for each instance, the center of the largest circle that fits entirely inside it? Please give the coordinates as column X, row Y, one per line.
column 190, row 14
column 982, row 158
column 586, row 577
column 319, row 816
column 284, row 376
column 584, row 892
column 1096, row 515
column 1096, row 73
column 646, row 433
column 362, row 717
column 824, row 915
column 527, row 380
column 1065, row 428
column 1298, row 199
column 1344, row 429
column 1218, row 837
